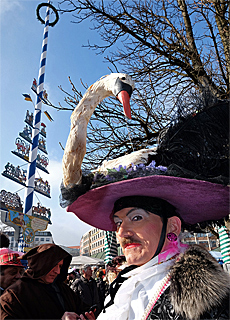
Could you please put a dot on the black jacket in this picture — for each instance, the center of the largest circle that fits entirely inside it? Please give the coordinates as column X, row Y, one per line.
column 88, row 292
column 103, row 288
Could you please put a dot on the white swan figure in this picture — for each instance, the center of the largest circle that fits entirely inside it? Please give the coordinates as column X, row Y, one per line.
column 119, row 85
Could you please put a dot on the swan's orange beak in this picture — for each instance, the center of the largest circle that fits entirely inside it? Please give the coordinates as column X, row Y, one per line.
column 124, row 98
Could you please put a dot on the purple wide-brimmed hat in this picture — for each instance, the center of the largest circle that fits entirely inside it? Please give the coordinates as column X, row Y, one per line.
column 195, row 200
column 189, row 169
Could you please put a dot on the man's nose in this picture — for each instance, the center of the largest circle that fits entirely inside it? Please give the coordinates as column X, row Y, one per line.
column 57, row 269
column 125, row 230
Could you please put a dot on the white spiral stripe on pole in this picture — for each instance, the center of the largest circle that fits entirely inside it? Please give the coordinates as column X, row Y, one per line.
column 37, row 122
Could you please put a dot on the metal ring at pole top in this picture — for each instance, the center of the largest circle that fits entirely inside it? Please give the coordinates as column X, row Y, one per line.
column 51, row 7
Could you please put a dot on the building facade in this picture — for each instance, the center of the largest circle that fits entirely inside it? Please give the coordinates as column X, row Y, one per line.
column 206, row 240
column 92, row 242
column 41, row 237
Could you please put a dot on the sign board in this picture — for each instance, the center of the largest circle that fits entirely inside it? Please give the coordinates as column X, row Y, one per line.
column 29, row 224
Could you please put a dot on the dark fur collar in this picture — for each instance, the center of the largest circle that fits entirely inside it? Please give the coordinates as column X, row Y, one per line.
column 198, row 283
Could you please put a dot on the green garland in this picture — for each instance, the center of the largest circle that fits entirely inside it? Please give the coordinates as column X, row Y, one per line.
column 51, row 7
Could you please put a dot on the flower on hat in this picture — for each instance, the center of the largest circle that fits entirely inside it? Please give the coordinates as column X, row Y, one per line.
column 124, row 173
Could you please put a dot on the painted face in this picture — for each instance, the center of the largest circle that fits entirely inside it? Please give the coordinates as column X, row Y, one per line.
column 51, row 276
column 11, row 275
column 138, row 232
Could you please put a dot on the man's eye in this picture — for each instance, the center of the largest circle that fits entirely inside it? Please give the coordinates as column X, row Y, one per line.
column 137, row 218
column 118, row 224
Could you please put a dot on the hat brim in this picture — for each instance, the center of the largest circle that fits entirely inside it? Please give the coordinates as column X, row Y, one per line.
column 195, row 200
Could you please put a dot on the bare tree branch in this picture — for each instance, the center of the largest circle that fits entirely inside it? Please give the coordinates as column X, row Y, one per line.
column 171, row 48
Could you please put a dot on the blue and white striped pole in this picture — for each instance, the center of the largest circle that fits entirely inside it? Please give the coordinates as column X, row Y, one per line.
column 225, row 247
column 110, row 246
column 37, row 122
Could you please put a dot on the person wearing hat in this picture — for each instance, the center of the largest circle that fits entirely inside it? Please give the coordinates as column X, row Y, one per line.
column 71, row 277
column 11, row 268
column 41, row 293
column 148, row 197
column 164, row 278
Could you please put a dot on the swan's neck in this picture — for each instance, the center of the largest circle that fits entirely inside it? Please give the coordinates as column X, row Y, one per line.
column 94, row 95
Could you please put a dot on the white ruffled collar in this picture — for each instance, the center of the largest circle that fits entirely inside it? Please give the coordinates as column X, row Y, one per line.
column 152, row 271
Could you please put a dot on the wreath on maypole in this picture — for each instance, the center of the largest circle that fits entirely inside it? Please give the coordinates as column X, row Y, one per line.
column 51, row 7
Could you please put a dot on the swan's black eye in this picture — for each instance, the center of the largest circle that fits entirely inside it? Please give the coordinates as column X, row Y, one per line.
column 123, row 78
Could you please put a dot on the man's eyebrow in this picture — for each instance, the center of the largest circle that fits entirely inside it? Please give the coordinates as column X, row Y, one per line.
column 130, row 211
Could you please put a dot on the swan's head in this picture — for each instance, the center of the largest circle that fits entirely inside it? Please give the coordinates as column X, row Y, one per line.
column 122, row 88
column 125, row 79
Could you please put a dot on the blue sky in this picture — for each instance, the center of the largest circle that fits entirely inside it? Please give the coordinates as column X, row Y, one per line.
column 21, row 41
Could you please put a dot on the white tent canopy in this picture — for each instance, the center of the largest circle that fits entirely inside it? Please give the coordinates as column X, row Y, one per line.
column 217, row 255
column 81, row 260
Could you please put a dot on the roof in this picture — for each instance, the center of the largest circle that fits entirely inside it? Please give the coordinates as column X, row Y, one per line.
column 99, row 255
column 74, row 247
column 81, row 260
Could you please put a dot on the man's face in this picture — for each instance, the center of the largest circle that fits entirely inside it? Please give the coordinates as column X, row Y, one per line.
column 88, row 273
column 10, row 276
column 138, row 232
column 51, row 276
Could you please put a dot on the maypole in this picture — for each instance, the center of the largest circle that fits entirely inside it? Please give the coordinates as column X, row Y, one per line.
column 30, row 185
column 37, row 112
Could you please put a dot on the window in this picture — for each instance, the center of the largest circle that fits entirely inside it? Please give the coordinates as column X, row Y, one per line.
column 42, row 239
column 36, row 239
column 47, row 239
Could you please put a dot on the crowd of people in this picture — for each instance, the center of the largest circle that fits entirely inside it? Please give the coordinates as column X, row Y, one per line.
column 46, row 287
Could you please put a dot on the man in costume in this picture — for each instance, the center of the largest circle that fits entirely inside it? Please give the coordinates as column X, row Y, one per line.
column 11, row 268
column 146, row 197
column 164, row 278
column 41, row 293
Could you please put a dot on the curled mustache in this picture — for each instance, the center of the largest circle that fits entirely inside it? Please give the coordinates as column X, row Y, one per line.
column 125, row 241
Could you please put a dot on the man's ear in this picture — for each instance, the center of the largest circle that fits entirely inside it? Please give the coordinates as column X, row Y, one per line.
column 174, row 225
